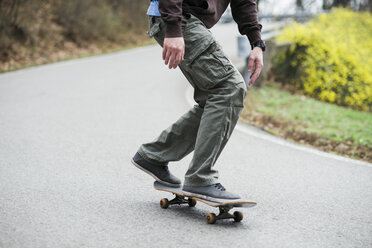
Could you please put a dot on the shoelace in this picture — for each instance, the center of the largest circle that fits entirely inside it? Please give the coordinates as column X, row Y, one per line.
column 219, row 187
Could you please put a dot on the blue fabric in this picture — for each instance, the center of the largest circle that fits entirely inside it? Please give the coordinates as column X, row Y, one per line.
column 153, row 9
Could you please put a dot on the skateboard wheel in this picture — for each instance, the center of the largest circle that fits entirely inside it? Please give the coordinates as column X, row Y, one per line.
column 164, row 203
column 211, row 218
column 192, row 202
column 238, row 216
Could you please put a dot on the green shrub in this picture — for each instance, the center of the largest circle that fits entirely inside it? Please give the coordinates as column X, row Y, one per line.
column 330, row 58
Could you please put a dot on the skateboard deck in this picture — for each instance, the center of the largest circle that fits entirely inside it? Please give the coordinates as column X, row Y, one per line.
column 224, row 206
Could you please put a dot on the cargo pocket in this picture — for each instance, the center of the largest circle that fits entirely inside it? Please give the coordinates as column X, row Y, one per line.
column 197, row 38
column 211, row 67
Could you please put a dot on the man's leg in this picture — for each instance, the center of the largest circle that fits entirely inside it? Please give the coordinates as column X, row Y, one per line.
column 223, row 104
column 176, row 141
column 173, row 144
column 220, row 89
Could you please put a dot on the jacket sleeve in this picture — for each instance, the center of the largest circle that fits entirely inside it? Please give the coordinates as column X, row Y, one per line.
column 245, row 15
column 171, row 13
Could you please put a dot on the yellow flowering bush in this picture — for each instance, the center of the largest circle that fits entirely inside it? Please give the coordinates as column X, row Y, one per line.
column 330, row 58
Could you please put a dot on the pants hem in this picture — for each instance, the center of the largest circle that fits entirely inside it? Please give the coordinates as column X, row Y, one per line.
column 152, row 161
column 200, row 183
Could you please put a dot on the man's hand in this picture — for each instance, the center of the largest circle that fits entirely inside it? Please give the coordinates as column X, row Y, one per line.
column 173, row 51
column 256, row 59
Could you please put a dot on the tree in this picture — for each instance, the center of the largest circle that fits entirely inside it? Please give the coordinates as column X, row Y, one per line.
column 299, row 5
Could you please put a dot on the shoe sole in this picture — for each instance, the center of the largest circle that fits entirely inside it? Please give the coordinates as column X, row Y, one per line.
column 208, row 198
column 154, row 176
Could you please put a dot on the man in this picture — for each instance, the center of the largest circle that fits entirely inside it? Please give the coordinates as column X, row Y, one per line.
column 181, row 28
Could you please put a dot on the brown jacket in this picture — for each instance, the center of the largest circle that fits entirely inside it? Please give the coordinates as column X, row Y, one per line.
column 209, row 12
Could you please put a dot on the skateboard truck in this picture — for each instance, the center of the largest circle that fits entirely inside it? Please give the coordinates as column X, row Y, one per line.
column 224, row 214
column 179, row 200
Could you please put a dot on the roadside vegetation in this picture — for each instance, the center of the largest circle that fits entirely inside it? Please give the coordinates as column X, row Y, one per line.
column 320, row 92
column 41, row 31
column 330, row 58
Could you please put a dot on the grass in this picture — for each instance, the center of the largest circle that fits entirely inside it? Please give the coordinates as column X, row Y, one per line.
column 304, row 119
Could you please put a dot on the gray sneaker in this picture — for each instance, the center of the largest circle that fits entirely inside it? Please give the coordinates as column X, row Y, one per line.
column 215, row 192
column 161, row 173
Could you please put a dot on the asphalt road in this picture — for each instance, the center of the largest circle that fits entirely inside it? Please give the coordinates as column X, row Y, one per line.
column 67, row 131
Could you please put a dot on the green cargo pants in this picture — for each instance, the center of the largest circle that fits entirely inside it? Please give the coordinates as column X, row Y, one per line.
column 219, row 91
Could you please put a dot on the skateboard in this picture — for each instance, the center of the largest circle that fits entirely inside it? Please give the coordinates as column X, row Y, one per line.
column 224, row 207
